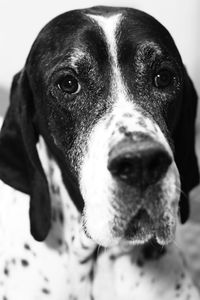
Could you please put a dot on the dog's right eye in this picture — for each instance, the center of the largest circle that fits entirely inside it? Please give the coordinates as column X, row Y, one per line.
column 68, row 84
column 163, row 78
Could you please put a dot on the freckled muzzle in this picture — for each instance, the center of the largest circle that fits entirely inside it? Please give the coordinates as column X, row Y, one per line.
column 135, row 183
column 139, row 162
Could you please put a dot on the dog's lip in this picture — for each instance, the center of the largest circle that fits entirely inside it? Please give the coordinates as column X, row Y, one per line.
column 144, row 227
column 140, row 220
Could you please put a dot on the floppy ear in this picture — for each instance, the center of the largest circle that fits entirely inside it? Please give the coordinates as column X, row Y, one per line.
column 184, row 138
column 20, row 166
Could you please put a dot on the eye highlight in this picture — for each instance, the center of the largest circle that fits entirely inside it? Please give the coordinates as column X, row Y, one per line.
column 163, row 78
column 68, row 84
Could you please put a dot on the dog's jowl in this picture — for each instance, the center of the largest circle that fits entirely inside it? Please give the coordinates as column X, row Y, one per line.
column 100, row 133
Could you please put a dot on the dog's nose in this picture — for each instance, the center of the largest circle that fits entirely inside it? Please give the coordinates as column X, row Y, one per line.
column 138, row 164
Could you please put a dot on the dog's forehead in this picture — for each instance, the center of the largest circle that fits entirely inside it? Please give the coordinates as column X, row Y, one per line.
column 81, row 33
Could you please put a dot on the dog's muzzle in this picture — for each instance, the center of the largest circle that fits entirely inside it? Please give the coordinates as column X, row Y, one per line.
column 130, row 183
column 139, row 164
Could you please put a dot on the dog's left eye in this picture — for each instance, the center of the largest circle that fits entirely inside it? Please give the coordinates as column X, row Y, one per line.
column 163, row 78
column 68, row 84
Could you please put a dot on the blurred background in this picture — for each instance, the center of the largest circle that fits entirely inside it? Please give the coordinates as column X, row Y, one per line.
column 21, row 20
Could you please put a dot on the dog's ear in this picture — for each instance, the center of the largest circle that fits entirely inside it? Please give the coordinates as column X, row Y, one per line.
column 184, row 138
column 20, row 166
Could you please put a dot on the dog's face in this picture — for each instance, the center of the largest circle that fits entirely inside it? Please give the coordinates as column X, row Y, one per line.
column 111, row 91
column 107, row 86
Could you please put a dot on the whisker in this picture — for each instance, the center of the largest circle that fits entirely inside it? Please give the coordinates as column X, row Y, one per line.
column 180, row 190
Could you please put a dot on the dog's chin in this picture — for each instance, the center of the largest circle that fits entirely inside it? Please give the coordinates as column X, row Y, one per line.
column 163, row 234
column 142, row 228
column 139, row 230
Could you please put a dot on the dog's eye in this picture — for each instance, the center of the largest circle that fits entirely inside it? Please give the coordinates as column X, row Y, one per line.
column 163, row 78
column 68, row 84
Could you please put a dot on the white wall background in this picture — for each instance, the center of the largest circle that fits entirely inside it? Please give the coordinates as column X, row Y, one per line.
column 21, row 20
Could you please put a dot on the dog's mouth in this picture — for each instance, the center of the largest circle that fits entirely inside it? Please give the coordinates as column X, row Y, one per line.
column 142, row 228
column 140, row 224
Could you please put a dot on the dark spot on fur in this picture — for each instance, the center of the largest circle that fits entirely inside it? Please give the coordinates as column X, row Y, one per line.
column 128, row 115
column 137, row 284
column 141, row 123
column 6, row 271
column 13, row 261
column 182, row 275
column 46, row 279
column 27, row 247
column 5, row 298
column 91, row 275
column 61, row 217
column 60, row 242
column 82, row 278
column 24, row 262
column 142, row 273
column 72, row 297
column 46, row 291
column 112, row 257
column 55, row 189
column 123, row 129
column 91, row 297
column 178, row 286
column 140, row 262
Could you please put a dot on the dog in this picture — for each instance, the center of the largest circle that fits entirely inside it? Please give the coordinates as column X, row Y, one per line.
column 100, row 134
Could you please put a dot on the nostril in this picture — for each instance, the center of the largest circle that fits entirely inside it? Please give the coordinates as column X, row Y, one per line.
column 122, row 167
column 139, row 165
column 155, row 164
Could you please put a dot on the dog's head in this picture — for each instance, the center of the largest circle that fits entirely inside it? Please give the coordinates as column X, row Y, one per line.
column 107, row 89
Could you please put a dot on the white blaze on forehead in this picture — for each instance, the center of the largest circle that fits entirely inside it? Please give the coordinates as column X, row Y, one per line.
column 110, row 26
